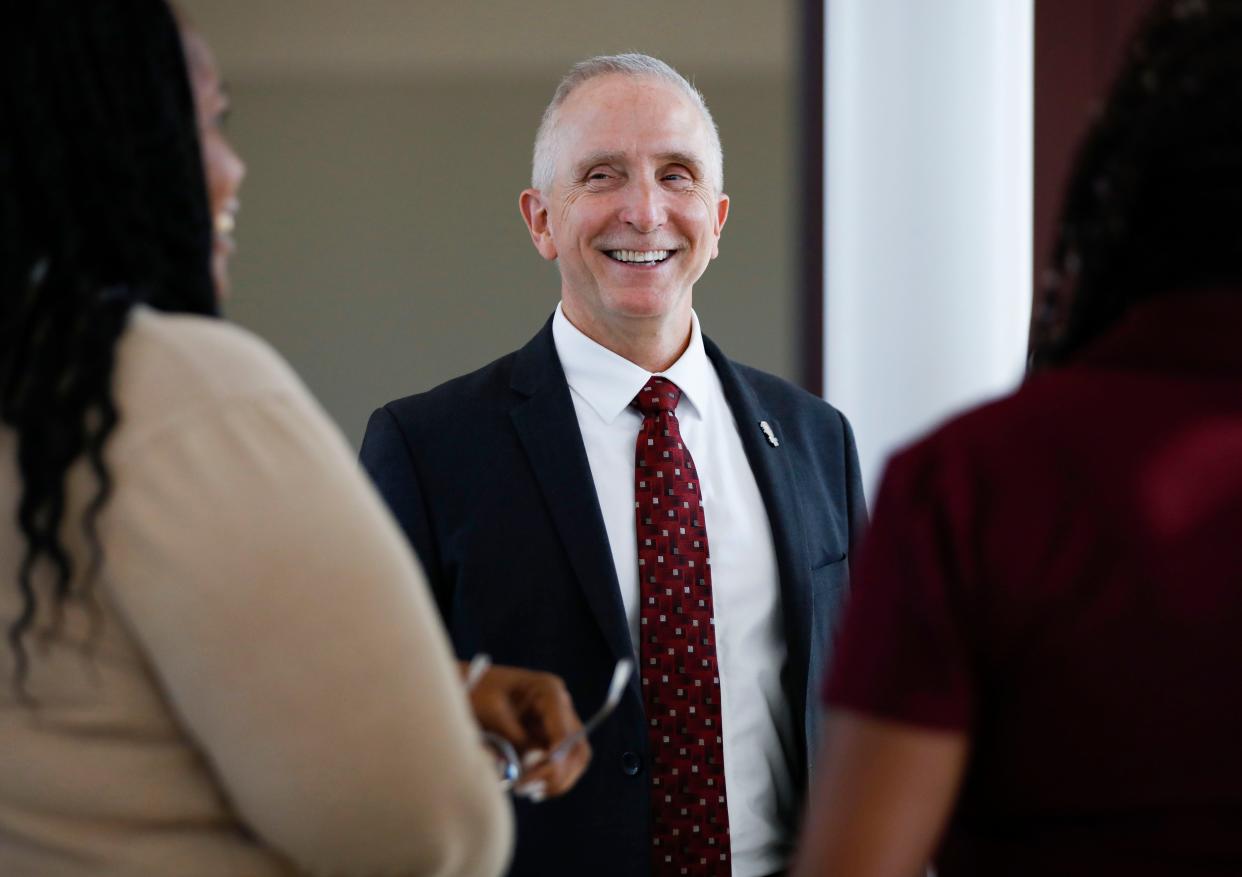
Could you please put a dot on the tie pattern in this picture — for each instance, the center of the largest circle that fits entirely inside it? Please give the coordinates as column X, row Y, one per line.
column 677, row 649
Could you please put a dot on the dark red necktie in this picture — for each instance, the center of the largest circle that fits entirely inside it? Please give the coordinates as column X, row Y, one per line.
column 680, row 679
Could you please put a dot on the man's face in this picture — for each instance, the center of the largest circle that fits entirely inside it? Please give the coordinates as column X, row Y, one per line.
column 632, row 218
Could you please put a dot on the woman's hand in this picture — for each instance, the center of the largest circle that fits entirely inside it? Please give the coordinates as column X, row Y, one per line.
column 533, row 711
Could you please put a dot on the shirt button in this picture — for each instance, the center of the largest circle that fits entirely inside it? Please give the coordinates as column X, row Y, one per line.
column 631, row 764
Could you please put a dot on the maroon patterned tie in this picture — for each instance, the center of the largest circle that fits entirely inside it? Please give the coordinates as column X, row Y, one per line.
column 681, row 683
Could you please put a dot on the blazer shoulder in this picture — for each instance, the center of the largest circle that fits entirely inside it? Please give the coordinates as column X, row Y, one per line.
column 463, row 397
column 788, row 401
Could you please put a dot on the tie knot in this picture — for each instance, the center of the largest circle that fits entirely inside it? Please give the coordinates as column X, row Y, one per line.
column 658, row 394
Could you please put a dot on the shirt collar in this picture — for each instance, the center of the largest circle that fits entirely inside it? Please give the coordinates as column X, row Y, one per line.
column 608, row 382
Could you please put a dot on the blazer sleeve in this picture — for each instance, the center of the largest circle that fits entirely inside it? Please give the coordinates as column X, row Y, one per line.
column 388, row 459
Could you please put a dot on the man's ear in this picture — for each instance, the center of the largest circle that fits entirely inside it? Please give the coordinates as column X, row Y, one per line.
column 722, row 213
column 534, row 208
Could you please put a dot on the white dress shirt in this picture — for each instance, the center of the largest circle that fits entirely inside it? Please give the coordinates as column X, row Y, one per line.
column 750, row 643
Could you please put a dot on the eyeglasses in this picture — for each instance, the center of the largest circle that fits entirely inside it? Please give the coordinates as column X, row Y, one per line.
column 509, row 764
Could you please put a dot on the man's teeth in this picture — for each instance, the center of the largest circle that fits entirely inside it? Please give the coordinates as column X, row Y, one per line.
column 639, row 255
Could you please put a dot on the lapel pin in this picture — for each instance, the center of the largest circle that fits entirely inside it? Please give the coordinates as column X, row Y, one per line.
column 767, row 430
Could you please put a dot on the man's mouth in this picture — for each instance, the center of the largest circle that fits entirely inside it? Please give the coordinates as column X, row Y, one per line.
column 639, row 257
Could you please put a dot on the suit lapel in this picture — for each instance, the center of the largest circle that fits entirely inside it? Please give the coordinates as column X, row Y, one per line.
column 774, row 475
column 548, row 429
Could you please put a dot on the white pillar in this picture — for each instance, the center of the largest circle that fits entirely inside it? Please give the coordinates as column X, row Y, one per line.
column 928, row 226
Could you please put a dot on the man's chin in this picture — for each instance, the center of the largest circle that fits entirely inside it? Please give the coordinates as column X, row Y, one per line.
column 648, row 304
column 618, row 306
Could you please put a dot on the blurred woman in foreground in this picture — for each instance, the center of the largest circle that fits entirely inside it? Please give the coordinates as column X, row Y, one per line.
column 1038, row 673
column 221, row 657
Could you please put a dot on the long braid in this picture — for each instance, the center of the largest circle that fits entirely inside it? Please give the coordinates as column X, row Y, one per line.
column 1153, row 199
column 102, row 206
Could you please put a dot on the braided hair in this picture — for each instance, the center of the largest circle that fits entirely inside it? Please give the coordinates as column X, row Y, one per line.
column 103, row 205
column 1154, row 200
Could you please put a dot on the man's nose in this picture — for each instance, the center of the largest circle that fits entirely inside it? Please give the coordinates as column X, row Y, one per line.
column 644, row 206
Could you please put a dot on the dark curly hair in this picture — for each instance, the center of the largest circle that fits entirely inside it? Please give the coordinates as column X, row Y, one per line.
column 1154, row 200
column 103, row 205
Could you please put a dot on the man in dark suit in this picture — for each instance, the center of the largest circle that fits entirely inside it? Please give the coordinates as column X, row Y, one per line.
column 563, row 500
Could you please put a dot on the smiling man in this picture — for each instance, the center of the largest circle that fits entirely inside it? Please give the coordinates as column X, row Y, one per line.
column 618, row 488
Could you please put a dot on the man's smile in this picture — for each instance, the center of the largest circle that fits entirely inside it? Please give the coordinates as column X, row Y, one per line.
column 640, row 258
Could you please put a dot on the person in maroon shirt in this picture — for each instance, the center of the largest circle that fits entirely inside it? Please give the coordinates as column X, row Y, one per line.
column 1038, row 672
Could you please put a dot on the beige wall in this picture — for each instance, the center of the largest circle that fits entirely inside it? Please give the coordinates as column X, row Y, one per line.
column 381, row 249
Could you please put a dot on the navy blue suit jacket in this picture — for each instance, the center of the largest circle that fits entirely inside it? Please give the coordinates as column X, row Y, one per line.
column 488, row 476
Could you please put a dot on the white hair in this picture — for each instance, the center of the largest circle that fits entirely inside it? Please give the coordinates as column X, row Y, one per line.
column 633, row 64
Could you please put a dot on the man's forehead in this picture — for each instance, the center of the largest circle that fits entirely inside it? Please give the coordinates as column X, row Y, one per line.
column 630, row 119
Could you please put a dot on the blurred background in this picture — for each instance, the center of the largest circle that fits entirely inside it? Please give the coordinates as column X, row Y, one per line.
column 380, row 245
column 895, row 169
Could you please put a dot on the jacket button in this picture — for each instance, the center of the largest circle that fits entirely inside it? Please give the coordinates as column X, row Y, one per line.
column 631, row 764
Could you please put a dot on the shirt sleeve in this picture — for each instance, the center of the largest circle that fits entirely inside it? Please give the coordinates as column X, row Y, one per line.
column 904, row 653
column 292, row 631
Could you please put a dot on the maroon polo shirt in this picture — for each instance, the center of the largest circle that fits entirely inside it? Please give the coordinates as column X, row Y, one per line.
column 1059, row 574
